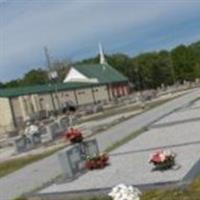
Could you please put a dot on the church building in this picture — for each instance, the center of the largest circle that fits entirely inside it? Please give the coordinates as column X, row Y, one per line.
column 83, row 85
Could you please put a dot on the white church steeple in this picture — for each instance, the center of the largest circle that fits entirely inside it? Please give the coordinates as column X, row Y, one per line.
column 101, row 53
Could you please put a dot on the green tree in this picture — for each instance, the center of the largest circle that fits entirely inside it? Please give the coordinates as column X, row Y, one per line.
column 62, row 67
column 2, row 85
column 121, row 62
column 184, row 62
column 147, row 70
column 13, row 83
column 35, row 76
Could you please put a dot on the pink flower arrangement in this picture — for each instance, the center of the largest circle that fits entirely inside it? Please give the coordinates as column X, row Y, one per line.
column 97, row 161
column 162, row 159
column 73, row 135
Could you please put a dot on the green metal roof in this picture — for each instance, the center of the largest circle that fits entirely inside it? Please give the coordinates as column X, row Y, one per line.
column 103, row 72
column 38, row 89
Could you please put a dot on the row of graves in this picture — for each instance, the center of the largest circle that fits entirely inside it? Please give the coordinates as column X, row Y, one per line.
column 84, row 155
column 80, row 155
column 34, row 135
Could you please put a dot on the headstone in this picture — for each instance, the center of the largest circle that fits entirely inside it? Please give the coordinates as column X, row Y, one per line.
column 64, row 122
column 36, row 138
column 46, row 135
column 72, row 159
column 197, row 81
column 55, row 130
column 23, row 144
column 90, row 147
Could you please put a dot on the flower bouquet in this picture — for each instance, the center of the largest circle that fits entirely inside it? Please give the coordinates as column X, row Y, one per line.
column 163, row 159
column 74, row 135
column 97, row 161
column 121, row 192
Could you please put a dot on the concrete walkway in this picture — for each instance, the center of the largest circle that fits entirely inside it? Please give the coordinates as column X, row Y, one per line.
column 35, row 175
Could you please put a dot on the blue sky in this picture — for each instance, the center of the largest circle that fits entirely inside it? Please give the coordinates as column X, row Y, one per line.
column 73, row 28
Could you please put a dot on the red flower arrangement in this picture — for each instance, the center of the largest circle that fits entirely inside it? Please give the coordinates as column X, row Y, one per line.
column 163, row 159
column 74, row 135
column 97, row 162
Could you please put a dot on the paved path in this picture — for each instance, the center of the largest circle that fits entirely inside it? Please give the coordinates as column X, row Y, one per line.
column 41, row 172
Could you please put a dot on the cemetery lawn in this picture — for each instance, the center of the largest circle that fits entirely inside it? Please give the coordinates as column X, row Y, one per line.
column 10, row 166
column 192, row 192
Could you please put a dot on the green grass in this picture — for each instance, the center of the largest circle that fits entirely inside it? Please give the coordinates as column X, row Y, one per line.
column 20, row 198
column 192, row 192
column 10, row 166
column 194, row 101
column 125, row 140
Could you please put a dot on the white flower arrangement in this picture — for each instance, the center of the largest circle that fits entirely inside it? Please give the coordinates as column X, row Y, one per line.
column 123, row 192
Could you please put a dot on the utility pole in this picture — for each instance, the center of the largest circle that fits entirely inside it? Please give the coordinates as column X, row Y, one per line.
column 46, row 52
column 53, row 76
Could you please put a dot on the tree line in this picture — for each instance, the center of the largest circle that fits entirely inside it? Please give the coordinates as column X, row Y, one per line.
column 145, row 71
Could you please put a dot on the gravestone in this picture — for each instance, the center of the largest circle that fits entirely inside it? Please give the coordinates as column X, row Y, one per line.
column 64, row 122
column 27, row 142
column 51, row 131
column 90, row 147
column 72, row 159
column 36, row 139
column 23, row 144
column 55, row 130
